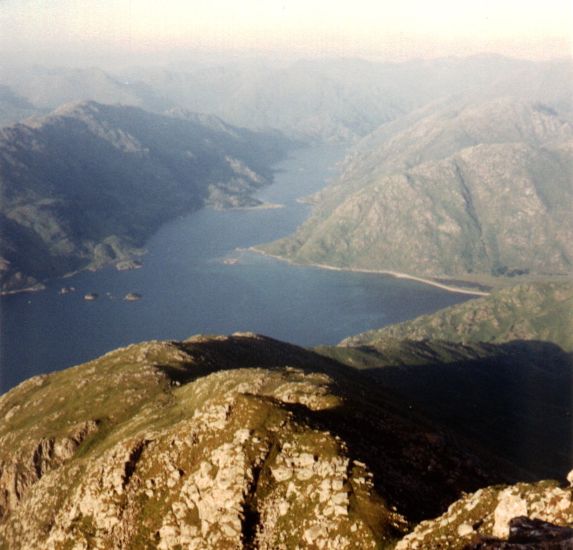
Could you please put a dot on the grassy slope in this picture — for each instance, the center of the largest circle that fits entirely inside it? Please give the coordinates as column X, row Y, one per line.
column 530, row 311
column 479, row 190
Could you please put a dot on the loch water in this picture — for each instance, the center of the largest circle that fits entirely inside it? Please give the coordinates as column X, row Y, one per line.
column 188, row 287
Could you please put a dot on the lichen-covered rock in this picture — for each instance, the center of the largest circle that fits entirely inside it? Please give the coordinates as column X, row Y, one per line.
column 203, row 479
column 490, row 513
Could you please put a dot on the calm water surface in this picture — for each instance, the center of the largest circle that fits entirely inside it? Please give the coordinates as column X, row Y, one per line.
column 188, row 289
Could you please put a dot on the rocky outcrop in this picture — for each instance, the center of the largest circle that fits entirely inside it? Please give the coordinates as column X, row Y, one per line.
column 34, row 459
column 239, row 471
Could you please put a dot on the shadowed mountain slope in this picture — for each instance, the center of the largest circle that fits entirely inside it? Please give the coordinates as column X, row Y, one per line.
column 498, row 369
column 88, row 184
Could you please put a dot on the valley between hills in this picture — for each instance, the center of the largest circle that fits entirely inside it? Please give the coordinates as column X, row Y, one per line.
column 451, row 430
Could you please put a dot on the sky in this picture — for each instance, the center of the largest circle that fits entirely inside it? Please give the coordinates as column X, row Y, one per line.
column 396, row 30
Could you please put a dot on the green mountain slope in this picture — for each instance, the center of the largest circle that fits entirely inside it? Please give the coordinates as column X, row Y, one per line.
column 529, row 311
column 88, row 184
column 482, row 190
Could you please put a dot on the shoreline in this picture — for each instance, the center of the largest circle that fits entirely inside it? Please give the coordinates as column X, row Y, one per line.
column 36, row 288
column 395, row 274
column 262, row 206
column 41, row 286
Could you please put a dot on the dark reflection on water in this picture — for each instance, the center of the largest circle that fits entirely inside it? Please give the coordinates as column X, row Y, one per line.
column 187, row 288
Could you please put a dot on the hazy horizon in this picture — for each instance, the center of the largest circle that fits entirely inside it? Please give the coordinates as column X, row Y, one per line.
column 121, row 32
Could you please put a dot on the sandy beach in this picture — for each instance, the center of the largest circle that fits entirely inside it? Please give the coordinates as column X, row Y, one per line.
column 397, row 274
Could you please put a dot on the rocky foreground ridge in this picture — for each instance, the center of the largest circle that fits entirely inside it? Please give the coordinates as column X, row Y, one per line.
column 500, row 517
column 238, row 442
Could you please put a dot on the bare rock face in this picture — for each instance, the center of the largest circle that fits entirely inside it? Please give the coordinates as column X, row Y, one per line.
column 500, row 517
column 34, row 460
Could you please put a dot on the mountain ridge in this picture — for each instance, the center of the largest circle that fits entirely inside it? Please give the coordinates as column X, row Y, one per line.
column 311, row 100
column 244, row 441
column 527, row 311
column 483, row 206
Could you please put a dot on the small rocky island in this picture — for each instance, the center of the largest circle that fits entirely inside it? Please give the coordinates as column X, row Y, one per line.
column 67, row 290
column 128, row 265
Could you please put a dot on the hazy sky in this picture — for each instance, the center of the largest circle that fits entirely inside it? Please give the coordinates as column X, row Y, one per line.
column 389, row 30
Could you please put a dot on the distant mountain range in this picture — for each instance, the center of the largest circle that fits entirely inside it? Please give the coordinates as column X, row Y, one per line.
column 13, row 107
column 309, row 99
column 89, row 183
column 481, row 189
column 44, row 89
